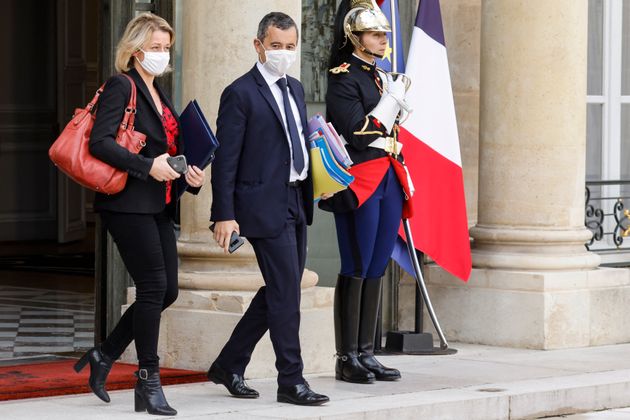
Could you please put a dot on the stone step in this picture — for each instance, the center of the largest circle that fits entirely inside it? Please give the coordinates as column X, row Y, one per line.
column 527, row 399
column 477, row 383
column 530, row 399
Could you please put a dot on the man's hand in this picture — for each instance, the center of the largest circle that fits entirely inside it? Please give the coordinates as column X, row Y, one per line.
column 223, row 232
column 326, row 196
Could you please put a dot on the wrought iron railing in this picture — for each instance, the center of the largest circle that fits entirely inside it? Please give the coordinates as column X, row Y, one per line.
column 606, row 215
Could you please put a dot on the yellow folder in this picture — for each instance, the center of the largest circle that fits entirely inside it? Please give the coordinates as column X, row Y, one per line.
column 322, row 164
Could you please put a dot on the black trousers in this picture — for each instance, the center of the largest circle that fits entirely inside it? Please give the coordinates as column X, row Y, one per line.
column 147, row 245
column 276, row 305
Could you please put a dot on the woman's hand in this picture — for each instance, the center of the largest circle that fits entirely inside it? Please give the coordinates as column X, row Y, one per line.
column 326, row 196
column 161, row 170
column 195, row 176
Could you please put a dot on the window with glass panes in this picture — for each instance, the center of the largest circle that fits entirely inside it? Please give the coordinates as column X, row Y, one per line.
column 608, row 91
column 608, row 123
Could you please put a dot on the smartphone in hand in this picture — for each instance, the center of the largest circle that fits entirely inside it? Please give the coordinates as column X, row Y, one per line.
column 178, row 163
column 235, row 240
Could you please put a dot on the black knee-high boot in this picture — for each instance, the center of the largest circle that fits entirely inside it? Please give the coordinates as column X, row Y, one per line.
column 347, row 311
column 370, row 302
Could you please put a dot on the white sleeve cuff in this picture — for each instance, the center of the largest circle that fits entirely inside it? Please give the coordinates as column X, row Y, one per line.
column 386, row 111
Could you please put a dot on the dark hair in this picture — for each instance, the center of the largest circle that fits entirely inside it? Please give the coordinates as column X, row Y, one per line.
column 340, row 53
column 277, row 20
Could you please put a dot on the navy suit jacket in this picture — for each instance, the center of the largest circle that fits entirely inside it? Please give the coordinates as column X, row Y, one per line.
column 250, row 173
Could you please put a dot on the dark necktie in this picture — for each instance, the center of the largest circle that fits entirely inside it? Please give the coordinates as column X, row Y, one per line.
column 296, row 144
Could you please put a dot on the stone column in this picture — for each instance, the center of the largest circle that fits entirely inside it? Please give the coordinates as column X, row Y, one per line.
column 218, row 48
column 532, row 137
column 215, row 288
column 534, row 284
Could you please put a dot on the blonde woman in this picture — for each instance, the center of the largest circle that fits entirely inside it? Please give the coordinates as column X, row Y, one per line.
column 140, row 218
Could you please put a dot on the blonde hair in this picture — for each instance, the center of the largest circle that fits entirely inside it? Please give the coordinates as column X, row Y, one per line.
column 138, row 33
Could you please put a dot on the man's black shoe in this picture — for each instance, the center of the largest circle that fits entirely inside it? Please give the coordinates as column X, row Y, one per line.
column 300, row 394
column 234, row 383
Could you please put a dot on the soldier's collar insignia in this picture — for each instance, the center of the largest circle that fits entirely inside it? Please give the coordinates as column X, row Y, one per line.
column 343, row 68
column 366, row 67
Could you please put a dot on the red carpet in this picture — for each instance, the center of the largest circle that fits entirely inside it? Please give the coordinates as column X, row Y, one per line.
column 58, row 378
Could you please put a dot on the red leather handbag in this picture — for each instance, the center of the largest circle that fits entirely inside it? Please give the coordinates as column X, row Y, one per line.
column 70, row 152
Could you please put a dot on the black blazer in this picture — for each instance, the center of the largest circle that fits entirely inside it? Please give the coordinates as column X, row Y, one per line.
column 142, row 193
column 250, row 173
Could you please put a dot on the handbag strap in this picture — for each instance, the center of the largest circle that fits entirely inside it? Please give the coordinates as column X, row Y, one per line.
column 90, row 106
column 130, row 111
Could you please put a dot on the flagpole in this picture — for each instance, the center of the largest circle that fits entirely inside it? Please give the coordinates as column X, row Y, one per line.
column 392, row 8
column 420, row 281
column 394, row 69
column 410, row 245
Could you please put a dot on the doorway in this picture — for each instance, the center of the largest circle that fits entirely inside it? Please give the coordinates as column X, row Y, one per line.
column 52, row 60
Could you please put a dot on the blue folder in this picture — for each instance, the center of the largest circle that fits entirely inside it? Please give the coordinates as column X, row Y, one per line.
column 335, row 170
column 200, row 142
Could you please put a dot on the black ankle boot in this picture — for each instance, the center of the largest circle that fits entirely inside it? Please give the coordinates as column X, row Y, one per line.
column 148, row 394
column 100, row 365
column 370, row 301
column 347, row 308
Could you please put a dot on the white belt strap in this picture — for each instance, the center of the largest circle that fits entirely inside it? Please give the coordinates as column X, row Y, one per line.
column 388, row 144
column 412, row 189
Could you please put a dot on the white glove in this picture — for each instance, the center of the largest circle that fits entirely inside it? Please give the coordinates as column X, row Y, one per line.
column 396, row 87
column 398, row 90
column 392, row 102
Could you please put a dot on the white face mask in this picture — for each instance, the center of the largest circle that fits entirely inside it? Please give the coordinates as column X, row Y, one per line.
column 278, row 61
column 155, row 63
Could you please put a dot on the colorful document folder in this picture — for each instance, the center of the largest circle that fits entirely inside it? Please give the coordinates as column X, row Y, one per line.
column 336, row 144
column 200, row 142
column 329, row 173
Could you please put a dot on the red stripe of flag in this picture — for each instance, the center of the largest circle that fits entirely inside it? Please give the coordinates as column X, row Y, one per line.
column 439, row 225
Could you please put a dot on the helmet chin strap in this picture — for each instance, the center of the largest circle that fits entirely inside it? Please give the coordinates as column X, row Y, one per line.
column 357, row 44
column 373, row 54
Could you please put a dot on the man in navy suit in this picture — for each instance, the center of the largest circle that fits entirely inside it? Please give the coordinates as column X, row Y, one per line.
column 262, row 189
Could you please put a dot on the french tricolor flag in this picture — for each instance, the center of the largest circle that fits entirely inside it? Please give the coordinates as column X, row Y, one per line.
column 431, row 149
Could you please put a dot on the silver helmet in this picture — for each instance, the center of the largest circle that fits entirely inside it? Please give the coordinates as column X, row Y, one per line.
column 364, row 16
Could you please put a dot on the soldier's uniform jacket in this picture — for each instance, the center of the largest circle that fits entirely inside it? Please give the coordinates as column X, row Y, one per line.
column 354, row 90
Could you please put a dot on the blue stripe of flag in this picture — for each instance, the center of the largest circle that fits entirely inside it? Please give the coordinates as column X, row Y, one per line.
column 429, row 19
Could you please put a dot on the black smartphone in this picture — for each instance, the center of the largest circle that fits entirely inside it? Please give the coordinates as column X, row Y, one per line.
column 235, row 240
column 178, row 163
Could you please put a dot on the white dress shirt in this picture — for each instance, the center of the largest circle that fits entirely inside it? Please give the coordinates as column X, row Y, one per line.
column 277, row 94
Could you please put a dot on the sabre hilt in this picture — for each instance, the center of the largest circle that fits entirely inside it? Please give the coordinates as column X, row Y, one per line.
column 405, row 109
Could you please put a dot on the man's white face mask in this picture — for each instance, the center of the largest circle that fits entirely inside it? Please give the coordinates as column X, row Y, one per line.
column 278, row 61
